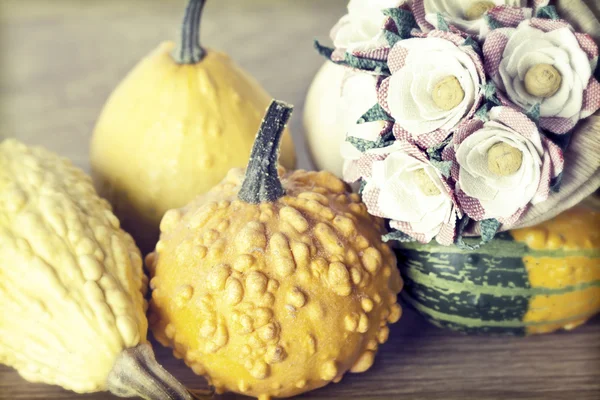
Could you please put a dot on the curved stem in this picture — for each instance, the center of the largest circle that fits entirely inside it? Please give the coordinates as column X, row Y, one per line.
column 262, row 183
column 137, row 374
column 189, row 50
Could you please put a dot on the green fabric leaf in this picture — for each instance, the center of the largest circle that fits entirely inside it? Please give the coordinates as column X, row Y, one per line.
column 547, row 12
column 391, row 37
column 534, row 113
column 361, row 188
column 469, row 41
column 323, row 50
column 375, row 113
column 365, row 64
column 435, row 152
column 561, row 141
column 443, row 166
column 442, row 25
column 492, row 23
column 556, row 182
column 482, row 112
column 404, row 20
column 397, row 236
column 489, row 92
column 489, row 227
column 363, row 145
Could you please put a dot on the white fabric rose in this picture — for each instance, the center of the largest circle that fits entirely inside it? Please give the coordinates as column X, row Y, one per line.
column 410, row 190
column 505, row 189
column 362, row 27
column 467, row 15
column 436, row 85
column 558, row 51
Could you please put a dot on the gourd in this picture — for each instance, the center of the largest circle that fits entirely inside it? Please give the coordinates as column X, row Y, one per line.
column 323, row 125
column 528, row 281
column 173, row 128
column 273, row 283
column 71, row 283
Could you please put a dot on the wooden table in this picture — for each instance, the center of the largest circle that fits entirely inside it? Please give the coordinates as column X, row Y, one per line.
column 60, row 59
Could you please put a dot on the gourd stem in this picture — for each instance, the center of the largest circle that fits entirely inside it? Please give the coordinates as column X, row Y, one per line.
column 262, row 184
column 190, row 51
column 137, row 374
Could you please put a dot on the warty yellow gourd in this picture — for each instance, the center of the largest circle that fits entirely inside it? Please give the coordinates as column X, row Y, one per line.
column 72, row 307
column 273, row 284
column 173, row 128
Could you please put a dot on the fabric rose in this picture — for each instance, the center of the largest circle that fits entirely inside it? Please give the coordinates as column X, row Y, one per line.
column 467, row 15
column 404, row 187
column 434, row 86
column 362, row 27
column 543, row 62
column 502, row 165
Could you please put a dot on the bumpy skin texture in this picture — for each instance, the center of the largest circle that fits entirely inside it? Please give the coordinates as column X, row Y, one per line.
column 170, row 132
column 274, row 299
column 71, row 281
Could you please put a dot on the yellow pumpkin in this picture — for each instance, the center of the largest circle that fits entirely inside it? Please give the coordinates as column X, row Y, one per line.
column 72, row 307
column 273, row 284
column 173, row 128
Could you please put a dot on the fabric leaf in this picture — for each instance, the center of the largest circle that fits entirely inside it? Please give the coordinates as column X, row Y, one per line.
column 492, row 23
column 435, row 152
column 366, row 64
column 391, row 37
column 561, row 141
column 323, row 50
column 534, row 113
column 555, row 183
column 489, row 227
column 442, row 25
column 375, row 113
column 469, row 41
column 443, row 166
column 404, row 20
column 363, row 145
column 482, row 112
column 361, row 187
column 489, row 92
column 397, row 236
column 547, row 12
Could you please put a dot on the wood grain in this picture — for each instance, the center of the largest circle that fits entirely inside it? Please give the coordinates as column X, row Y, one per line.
column 60, row 60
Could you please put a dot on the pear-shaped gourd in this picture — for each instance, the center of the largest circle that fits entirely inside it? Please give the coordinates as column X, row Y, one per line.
column 173, row 128
column 72, row 307
column 273, row 284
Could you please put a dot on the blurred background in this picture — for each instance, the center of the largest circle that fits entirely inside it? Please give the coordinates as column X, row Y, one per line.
column 60, row 59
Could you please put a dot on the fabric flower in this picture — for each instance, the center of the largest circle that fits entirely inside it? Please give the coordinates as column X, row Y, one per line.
column 435, row 84
column 404, row 187
column 467, row 15
column 362, row 27
column 503, row 165
column 543, row 62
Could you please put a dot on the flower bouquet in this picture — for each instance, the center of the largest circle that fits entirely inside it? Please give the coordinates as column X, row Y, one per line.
column 470, row 115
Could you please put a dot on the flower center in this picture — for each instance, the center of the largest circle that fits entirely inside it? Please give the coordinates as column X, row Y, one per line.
column 503, row 159
column 425, row 184
column 448, row 93
column 542, row 80
column 477, row 9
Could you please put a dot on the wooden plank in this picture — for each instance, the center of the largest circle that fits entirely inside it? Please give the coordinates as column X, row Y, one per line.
column 60, row 60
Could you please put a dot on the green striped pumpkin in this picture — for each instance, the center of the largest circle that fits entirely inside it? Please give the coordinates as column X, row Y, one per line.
column 527, row 281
